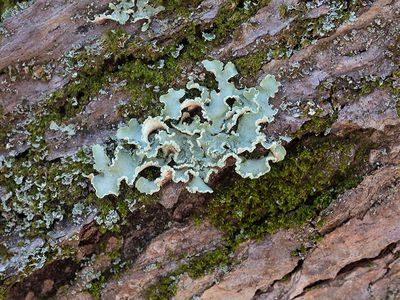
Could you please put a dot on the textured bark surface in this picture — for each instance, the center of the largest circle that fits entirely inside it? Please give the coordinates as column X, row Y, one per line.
column 350, row 250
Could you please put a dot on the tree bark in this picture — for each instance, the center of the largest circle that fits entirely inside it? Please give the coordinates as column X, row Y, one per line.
column 338, row 65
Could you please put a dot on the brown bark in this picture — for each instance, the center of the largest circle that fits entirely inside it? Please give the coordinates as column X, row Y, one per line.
column 358, row 254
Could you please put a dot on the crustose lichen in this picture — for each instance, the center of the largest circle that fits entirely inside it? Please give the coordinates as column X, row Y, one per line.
column 193, row 137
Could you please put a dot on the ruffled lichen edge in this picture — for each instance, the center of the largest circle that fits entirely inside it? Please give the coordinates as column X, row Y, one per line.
column 193, row 137
column 135, row 10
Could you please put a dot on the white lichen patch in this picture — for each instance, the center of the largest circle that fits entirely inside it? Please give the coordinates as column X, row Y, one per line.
column 35, row 198
column 208, row 37
column 15, row 10
column 193, row 137
column 108, row 221
column 68, row 130
column 130, row 9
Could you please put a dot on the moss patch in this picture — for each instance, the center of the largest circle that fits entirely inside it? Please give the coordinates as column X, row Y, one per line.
column 6, row 4
column 314, row 172
column 121, row 57
column 166, row 287
column 136, row 61
column 316, row 126
column 96, row 287
column 59, row 184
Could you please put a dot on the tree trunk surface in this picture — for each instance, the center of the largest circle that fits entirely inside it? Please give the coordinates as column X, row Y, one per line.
column 338, row 65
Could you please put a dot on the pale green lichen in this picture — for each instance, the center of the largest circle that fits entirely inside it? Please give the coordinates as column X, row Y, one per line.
column 69, row 129
column 193, row 137
column 126, row 9
column 10, row 8
column 208, row 37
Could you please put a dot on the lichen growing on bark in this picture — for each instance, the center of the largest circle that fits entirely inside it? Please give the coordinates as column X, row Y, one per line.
column 126, row 9
column 193, row 137
column 314, row 172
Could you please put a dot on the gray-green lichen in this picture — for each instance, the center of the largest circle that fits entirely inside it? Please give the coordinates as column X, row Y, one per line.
column 69, row 130
column 10, row 8
column 125, row 9
column 193, row 137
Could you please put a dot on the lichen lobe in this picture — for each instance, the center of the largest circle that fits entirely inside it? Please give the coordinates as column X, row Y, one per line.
column 193, row 137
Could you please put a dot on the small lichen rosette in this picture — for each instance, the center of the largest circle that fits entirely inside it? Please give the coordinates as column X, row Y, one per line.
column 193, row 137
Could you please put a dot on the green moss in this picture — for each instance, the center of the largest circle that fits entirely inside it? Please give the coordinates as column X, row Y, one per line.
column 6, row 4
column 5, row 127
column 200, row 266
column 140, row 70
column 285, row 278
column 125, row 58
column 3, row 293
column 366, row 89
column 283, row 11
column 164, row 289
column 176, row 8
column 232, row 14
column 301, row 251
column 317, row 125
column 132, row 60
column 4, row 253
column 251, row 63
column 137, row 62
column 96, row 287
column 113, row 272
column 295, row 190
column 318, row 238
column 198, row 220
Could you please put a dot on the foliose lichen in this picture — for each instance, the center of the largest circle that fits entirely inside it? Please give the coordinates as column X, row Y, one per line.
column 193, row 137
column 125, row 9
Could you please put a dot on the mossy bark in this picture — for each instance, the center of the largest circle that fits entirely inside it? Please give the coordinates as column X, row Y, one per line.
column 97, row 76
